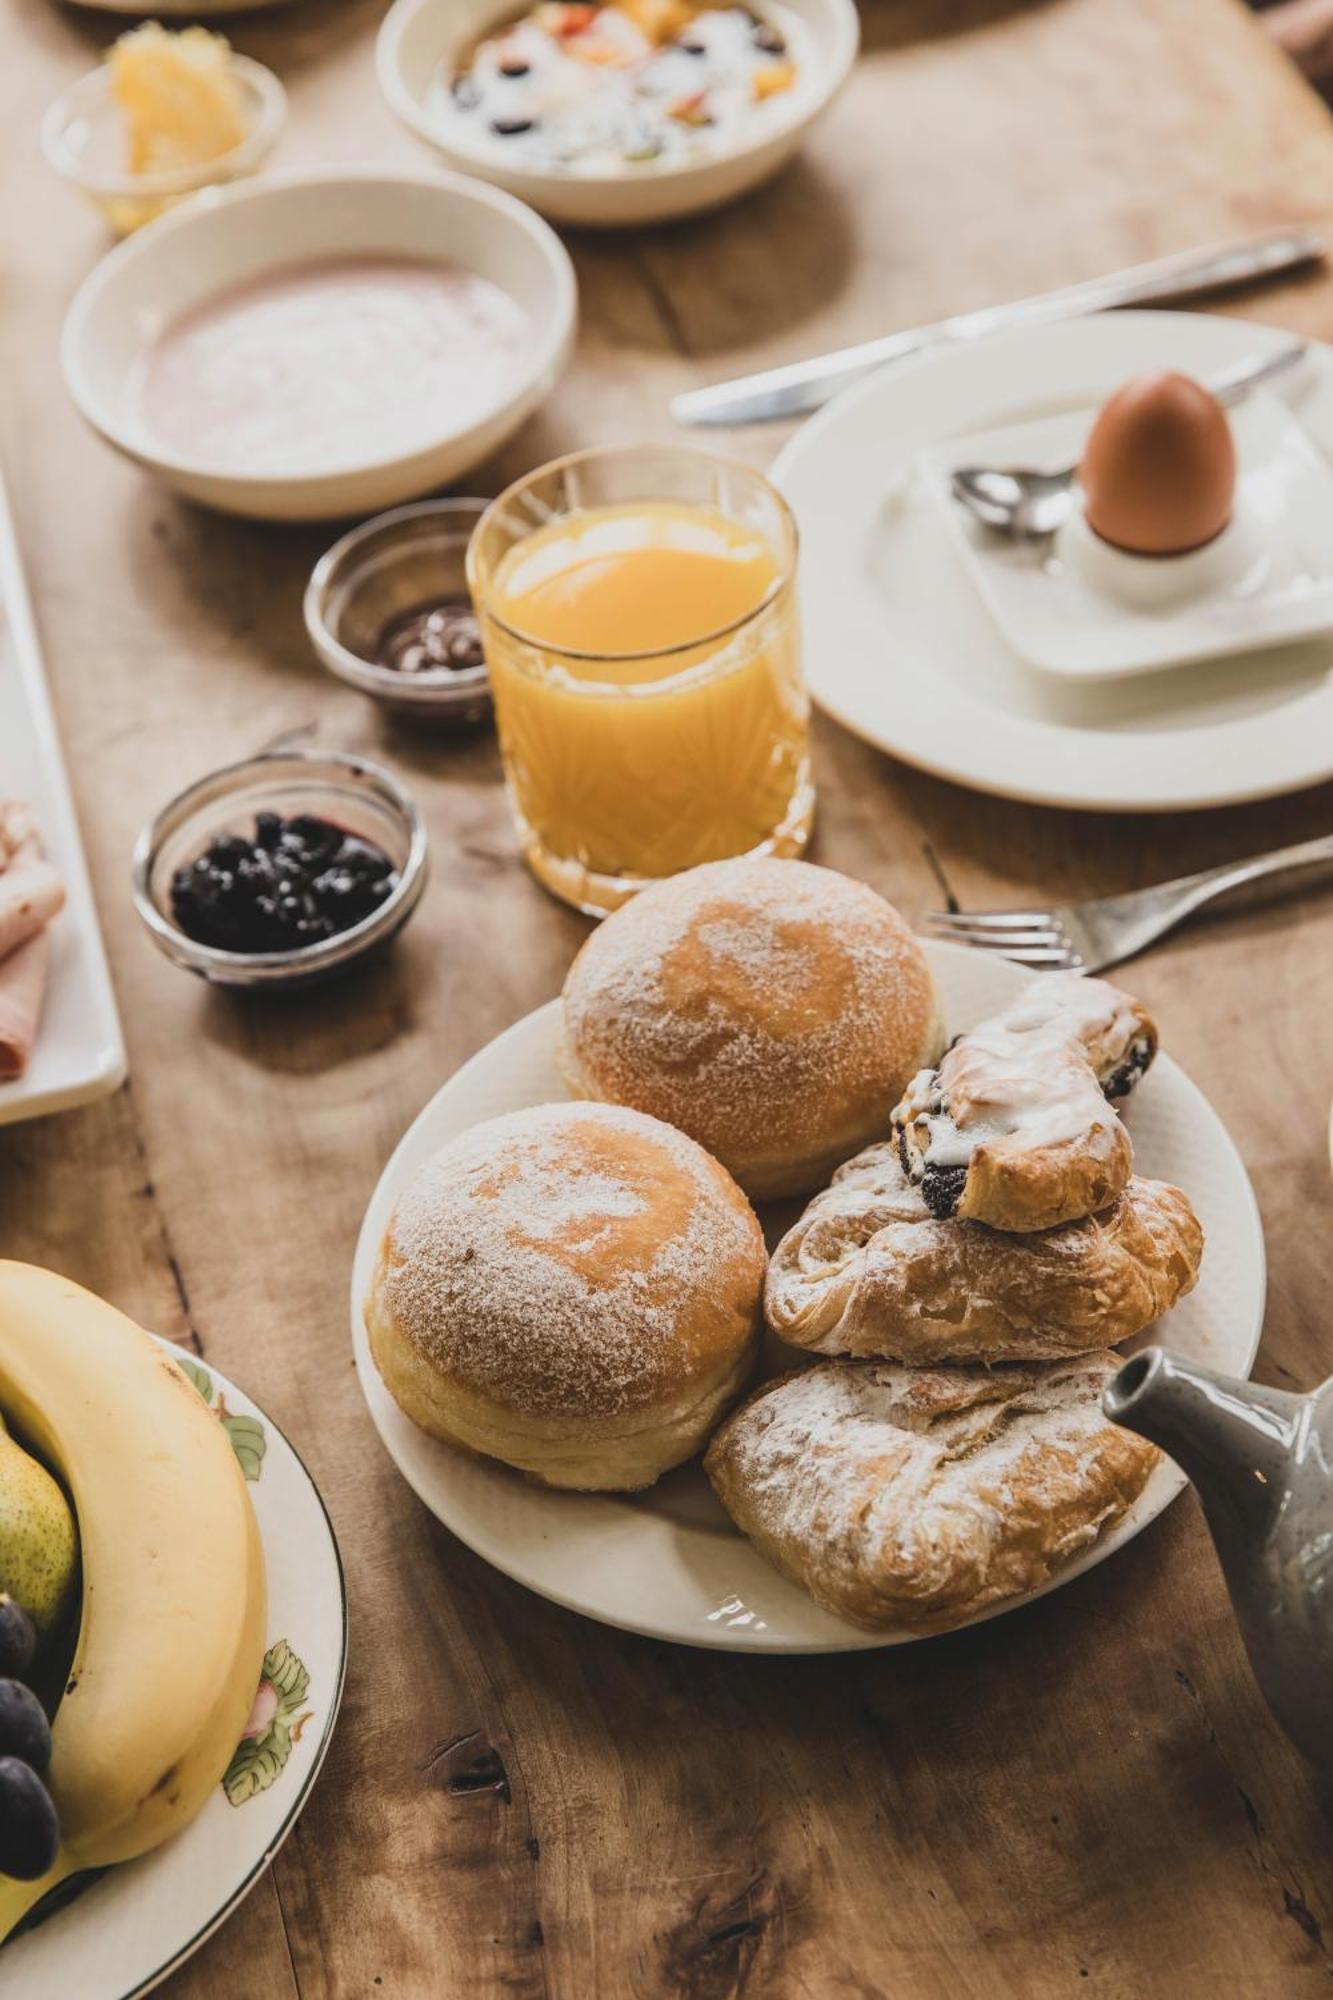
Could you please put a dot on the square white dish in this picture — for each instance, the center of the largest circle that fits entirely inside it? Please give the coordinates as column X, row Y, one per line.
column 1073, row 606
column 79, row 1053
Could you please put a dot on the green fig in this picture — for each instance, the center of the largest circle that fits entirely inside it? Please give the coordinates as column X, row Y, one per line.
column 39, row 1544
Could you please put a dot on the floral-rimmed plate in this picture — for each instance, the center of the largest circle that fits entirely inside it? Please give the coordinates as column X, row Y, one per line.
column 122, row 1934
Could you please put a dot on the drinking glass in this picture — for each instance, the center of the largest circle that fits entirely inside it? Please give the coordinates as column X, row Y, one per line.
column 626, row 765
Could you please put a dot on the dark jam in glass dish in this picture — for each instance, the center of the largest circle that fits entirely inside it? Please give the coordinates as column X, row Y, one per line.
column 295, row 882
column 443, row 637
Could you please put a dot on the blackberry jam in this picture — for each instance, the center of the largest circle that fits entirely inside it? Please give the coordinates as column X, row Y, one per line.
column 295, row 882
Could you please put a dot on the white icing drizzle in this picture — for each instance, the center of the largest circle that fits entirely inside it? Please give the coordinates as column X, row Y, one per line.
column 1032, row 1073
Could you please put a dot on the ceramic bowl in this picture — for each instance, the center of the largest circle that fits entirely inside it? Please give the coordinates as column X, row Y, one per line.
column 228, row 236
column 419, row 40
column 350, row 791
column 83, row 137
column 389, row 566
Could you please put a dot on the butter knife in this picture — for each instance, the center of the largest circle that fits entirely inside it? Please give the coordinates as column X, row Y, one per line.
column 805, row 385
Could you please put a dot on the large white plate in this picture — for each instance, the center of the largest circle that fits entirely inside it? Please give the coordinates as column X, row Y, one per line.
column 137, row 1923
column 900, row 648
column 79, row 1053
column 668, row 1562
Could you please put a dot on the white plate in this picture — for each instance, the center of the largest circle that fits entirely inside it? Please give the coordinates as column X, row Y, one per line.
column 418, row 37
column 227, row 236
column 135, row 1924
column 79, row 1054
column 1075, row 606
column 901, row 650
column 668, row 1562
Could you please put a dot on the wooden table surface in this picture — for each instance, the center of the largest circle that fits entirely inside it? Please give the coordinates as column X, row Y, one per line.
column 1085, row 1797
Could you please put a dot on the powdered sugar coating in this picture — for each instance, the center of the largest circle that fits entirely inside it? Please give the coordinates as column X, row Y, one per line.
column 899, row 1495
column 769, row 1008
column 572, row 1260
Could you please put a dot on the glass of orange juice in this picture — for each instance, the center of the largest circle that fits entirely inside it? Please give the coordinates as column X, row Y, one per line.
column 638, row 612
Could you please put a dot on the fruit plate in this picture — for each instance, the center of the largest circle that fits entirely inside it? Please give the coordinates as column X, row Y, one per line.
column 131, row 1926
column 668, row 1563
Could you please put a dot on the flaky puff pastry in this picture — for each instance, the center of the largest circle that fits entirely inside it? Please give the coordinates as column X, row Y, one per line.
column 868, row 1270
column 1015, row 1127
column 913, row 1498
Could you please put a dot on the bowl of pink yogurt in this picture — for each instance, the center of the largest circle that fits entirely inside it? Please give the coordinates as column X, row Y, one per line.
column 325, row 343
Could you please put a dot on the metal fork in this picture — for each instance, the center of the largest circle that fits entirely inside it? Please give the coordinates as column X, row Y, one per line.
column 1089, row 937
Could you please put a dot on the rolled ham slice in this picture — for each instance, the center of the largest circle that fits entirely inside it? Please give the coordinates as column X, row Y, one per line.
column 22, row 990
column 31, row 893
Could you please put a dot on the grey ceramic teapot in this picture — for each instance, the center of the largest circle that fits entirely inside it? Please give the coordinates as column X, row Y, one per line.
column 1262, row 1462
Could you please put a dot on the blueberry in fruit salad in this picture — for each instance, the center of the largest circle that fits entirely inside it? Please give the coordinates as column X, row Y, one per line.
column 293, row 882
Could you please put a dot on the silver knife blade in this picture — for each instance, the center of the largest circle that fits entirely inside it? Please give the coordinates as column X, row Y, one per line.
column 800, row 386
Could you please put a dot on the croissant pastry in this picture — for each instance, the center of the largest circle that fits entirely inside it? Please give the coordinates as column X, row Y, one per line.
column 1015, row 1128
column 869, row 1270
column 914, row 1498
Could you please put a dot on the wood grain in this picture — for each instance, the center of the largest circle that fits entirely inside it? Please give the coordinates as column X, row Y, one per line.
column 1087, row 1797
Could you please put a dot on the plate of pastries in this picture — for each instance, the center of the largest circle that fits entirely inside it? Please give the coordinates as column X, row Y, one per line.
column 760, row 1291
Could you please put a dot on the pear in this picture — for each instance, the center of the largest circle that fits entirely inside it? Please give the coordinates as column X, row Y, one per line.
column 39, row 1544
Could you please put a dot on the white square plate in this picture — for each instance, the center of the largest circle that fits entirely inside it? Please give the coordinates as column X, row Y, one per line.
column 1267, row 580
column 79, row 1053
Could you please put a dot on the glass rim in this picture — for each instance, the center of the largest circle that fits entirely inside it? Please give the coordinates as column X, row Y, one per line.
column 780, row 585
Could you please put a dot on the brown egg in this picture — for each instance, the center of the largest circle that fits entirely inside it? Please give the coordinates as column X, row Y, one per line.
column 1159, row 470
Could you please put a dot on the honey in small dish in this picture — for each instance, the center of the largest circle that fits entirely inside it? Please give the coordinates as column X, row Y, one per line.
column 178, row 96
column 1159, row 468
column 644, row 663
column 165, row 114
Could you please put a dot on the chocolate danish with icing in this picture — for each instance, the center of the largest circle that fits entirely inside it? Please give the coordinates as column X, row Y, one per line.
column 868, row 1270
column 573, row 1289
column 1015, row 1128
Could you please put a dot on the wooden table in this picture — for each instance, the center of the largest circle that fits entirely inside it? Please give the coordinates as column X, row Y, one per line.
column 1086, row 1797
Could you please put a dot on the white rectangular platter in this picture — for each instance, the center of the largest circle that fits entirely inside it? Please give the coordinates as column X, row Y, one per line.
column 79, row 1053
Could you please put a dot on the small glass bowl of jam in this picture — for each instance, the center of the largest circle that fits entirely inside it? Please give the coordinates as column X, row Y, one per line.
column 388, row 610
column 282, row 869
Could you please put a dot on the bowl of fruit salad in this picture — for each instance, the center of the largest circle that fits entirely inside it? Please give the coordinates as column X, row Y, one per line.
column 616, row 112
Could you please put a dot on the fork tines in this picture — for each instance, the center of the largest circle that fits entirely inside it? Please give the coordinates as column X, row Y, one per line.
column 1032, row 937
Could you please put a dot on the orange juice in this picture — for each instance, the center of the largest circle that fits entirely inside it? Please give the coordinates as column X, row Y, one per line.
column 644, row 660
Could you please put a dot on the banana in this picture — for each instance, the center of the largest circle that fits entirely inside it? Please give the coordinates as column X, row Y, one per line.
column 173, row 1632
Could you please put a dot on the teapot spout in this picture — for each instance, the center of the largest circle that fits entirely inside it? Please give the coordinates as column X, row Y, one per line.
column 1233, row 1439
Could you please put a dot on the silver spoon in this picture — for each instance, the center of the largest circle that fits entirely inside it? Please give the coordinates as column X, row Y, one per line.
column 1028, row 504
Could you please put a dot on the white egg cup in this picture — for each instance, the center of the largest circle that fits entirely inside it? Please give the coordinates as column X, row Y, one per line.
column 1157, row 583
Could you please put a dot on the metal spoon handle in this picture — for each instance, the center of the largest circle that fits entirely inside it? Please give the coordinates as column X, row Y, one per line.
column 1232, row 384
